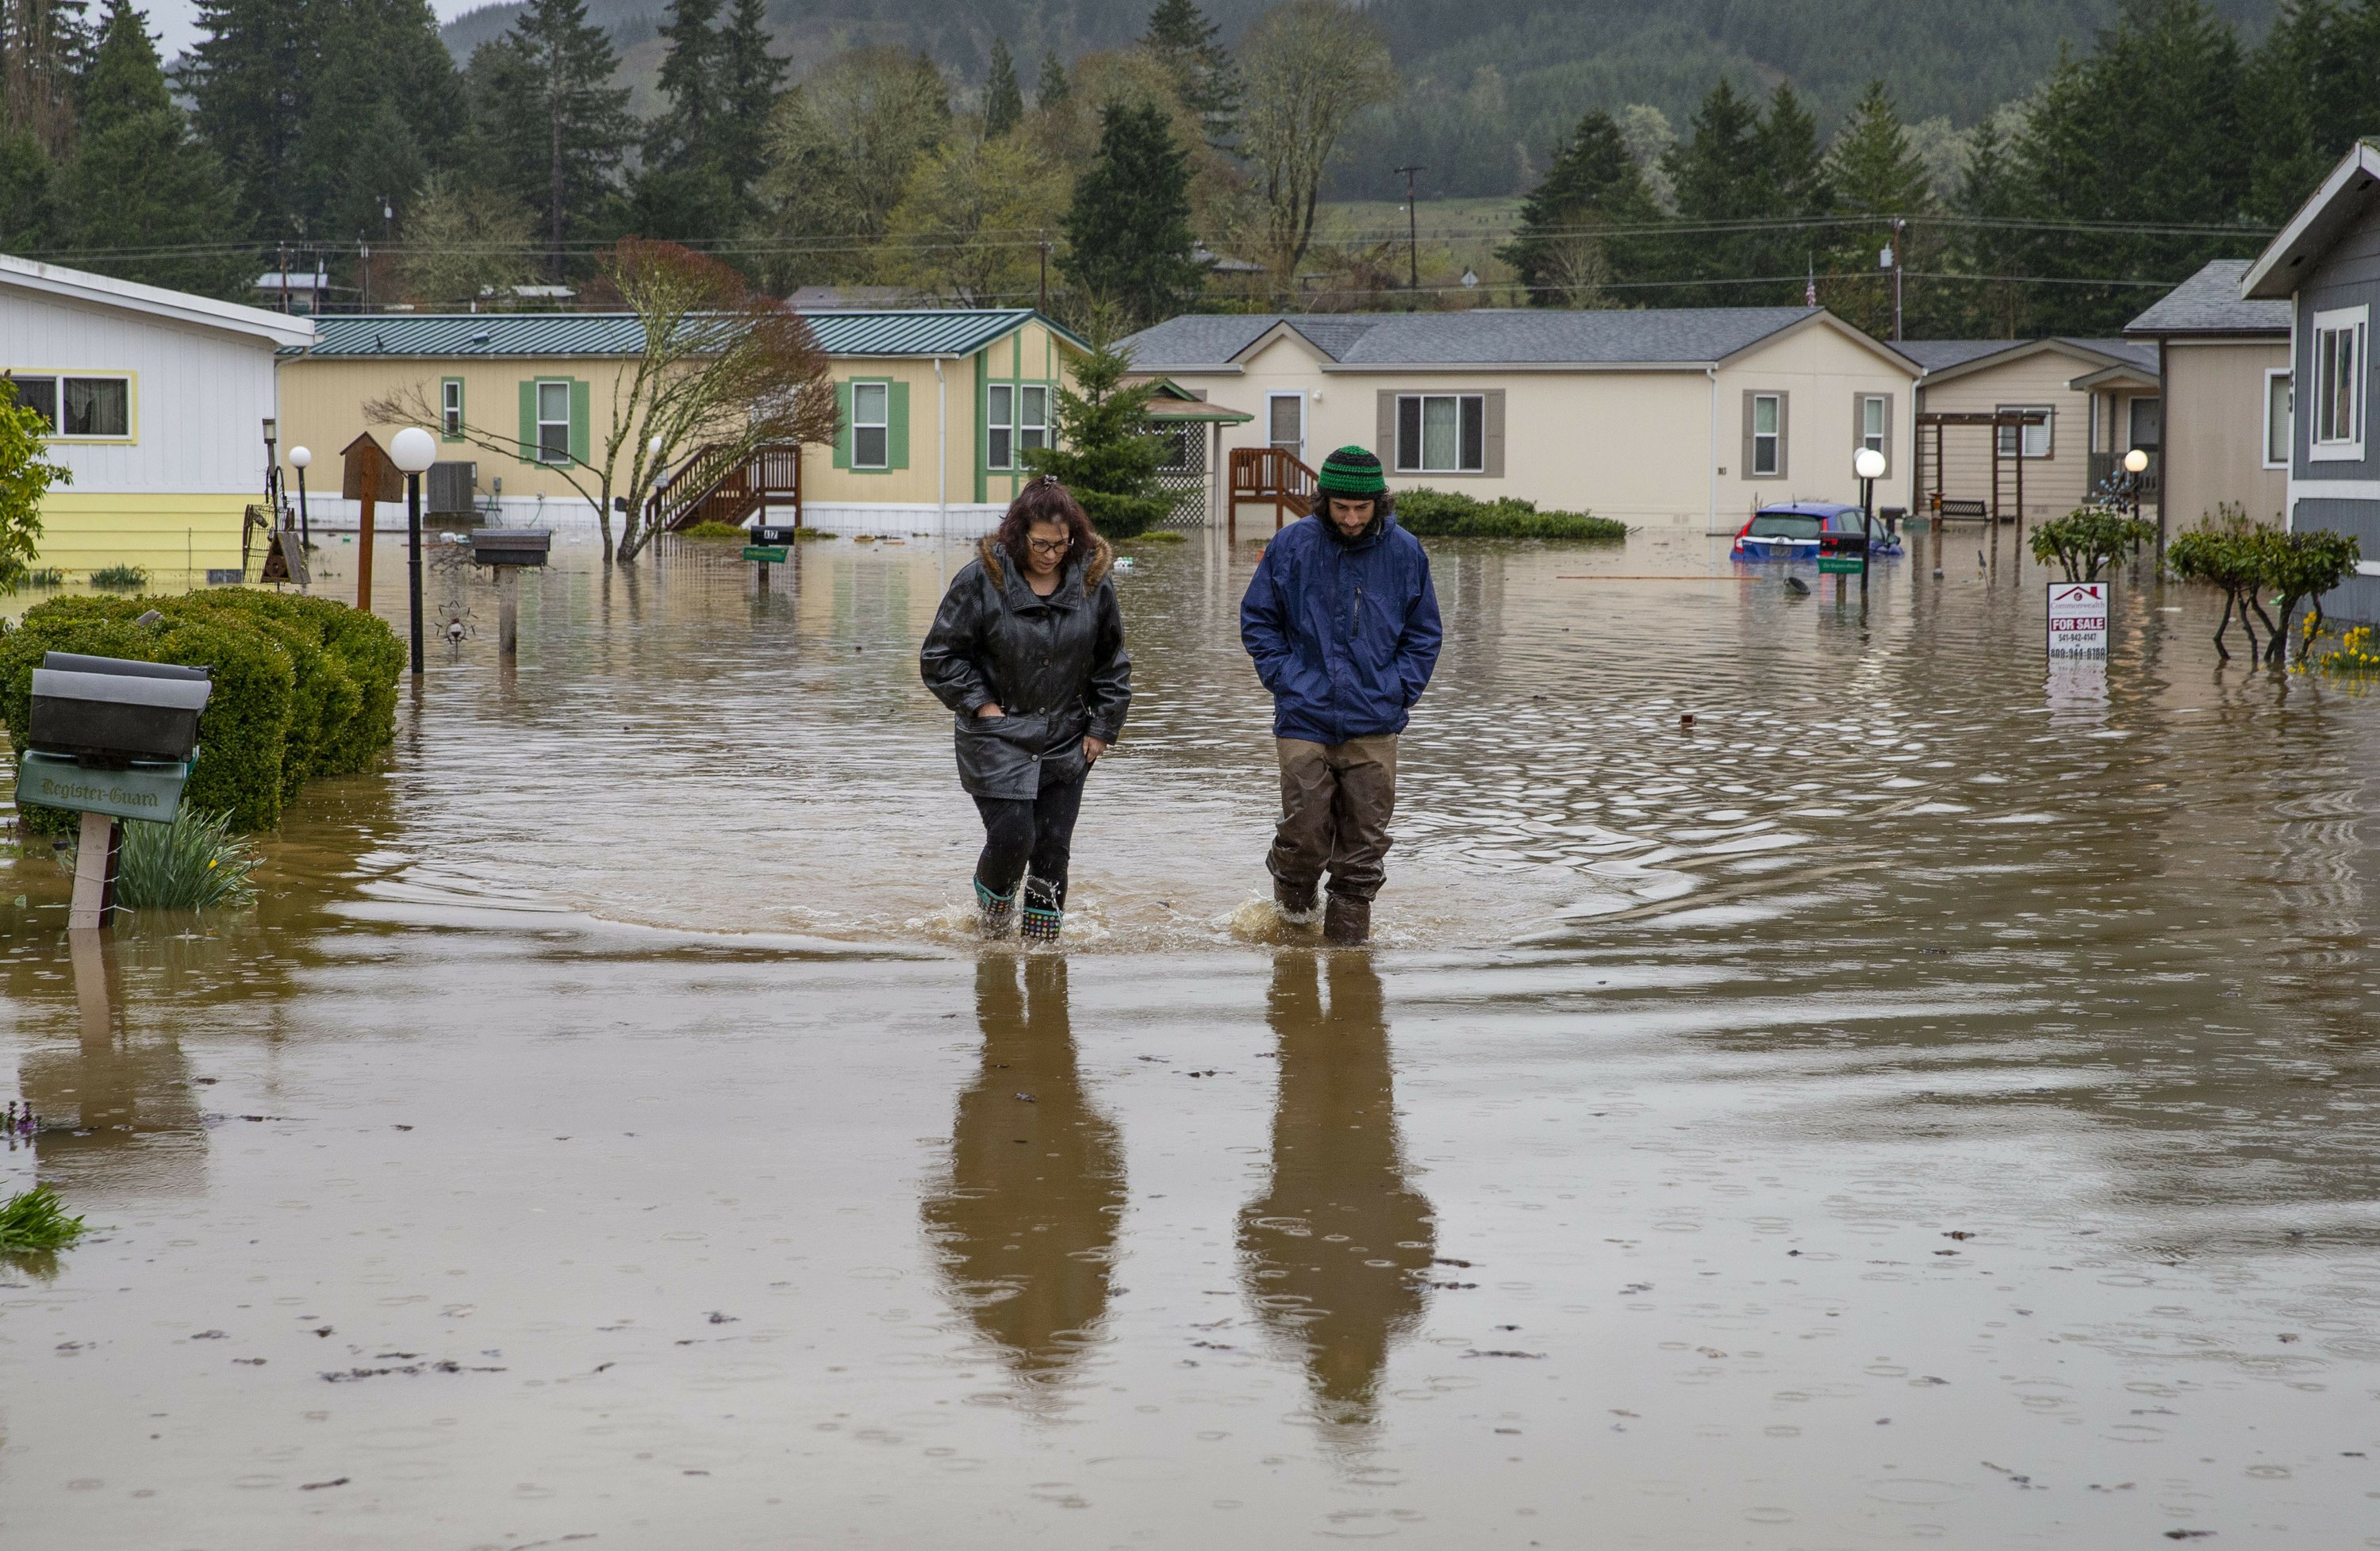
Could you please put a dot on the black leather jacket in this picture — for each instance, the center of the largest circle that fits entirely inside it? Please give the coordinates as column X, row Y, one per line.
column 1056, row 665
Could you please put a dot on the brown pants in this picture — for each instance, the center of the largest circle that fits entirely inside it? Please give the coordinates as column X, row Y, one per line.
column 1336, row 800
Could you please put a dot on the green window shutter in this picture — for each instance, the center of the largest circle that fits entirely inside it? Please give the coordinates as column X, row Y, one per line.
column 897, row 435
column 529, row 421
column 842, row 425
column 581, row 397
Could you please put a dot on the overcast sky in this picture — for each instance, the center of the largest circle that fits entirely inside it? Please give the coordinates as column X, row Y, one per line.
column 173, row 20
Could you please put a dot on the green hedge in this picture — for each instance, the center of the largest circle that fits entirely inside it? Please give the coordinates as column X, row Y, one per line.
column 1429, row 513
column 304, row 687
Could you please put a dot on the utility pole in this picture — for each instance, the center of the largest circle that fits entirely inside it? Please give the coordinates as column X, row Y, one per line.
column 1413, row 234
column 1044, row 246
column 1899, row 242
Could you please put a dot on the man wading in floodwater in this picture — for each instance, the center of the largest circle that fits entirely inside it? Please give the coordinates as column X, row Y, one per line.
column 1342, row 624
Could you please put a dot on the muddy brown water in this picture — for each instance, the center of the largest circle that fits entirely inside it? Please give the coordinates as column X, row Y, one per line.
column 1929, row 1098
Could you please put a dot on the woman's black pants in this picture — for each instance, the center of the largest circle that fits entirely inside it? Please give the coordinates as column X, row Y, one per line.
column 1038, row 834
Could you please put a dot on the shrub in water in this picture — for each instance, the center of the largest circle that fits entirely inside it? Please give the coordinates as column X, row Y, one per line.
column 711, row 530
column 46, row 575
column 1428, row 514
column 194, row 863
column 119, row 577
column 36, row 1222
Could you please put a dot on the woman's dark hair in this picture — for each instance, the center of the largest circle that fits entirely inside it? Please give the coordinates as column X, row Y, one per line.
column 1044, row 499
column 1383, row 503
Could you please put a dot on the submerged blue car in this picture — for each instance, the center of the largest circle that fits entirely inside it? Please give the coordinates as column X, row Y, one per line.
column 1806, row 529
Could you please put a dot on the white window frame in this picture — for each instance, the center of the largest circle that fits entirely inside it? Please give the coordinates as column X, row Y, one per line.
column 2047, row 448
column 883, row 389
column 2353, row 325
column 1000, row 426
column 545, row 454
column 1295, row 449
column 1415, row 459
column 450, row 409
column 1774, row 436
column 1876, row 407
column 58, row 381
column 1032, row 416
column 2289, row 416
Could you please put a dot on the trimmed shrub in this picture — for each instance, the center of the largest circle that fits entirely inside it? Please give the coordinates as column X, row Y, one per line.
column 1428, row 514
column 304, row 687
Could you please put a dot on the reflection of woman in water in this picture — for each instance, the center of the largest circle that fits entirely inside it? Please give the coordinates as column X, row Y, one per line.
column 1028, row 649
column 1028, row 1222
column 1334, row 1252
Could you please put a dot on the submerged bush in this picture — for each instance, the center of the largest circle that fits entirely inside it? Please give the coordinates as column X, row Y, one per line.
column 119, row 577
column 711, row 530
column 2084, row 542
column 1429, row 513
column 193, row 863
column 35, row 1223
column 45, row 575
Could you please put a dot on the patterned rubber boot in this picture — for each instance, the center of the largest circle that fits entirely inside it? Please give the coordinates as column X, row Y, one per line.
column 995, row 913
column 1043, row 911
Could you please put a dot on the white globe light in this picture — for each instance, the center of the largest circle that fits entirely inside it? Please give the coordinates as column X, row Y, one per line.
column 2136, row 461
column 1868, row 464
column 301, row 457
column 413, row 451
column 653, row 448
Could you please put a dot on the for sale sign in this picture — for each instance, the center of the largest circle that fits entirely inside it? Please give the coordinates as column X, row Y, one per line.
column 2078, row 619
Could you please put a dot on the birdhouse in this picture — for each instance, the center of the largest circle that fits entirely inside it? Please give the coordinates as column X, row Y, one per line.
column 511, row 546
column 367, row 473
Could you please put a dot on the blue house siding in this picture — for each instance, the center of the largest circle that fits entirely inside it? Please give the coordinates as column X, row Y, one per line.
column 2346, row 276
column 2359, row 601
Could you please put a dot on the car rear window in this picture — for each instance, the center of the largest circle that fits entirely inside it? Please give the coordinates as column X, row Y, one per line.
column 1784, row 525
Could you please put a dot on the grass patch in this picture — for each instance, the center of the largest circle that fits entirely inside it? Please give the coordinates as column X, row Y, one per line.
column 47, row 576
column 1163, row 536
column 194, row 863
column 36, row 1223
column 125, row 576
column 711, row 530
column 1428, row 514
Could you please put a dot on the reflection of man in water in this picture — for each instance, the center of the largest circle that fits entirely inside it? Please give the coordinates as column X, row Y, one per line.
column 1027, row 1223
column 1334, row 1252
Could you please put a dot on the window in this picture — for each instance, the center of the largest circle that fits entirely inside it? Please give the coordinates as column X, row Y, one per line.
column 1285, row 422
column 1872, row 435
column 553, row 422
column 872, row 425
column 2277, row 410
column 1181, row 444
column 1000, row 427
column 1767, row 435
column 450, row 409
column 2340, row 338
column 1032, row 418
column 1441, row 433
column 2147, row 421
column 95, row 406
column 2036, row 439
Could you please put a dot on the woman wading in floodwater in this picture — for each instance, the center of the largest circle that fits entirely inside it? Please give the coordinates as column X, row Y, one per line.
column 1028, row 649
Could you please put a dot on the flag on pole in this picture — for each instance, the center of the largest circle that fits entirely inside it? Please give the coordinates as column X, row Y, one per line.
column 1810, row 291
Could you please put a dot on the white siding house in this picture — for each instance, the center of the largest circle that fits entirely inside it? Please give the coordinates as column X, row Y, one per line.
column 157, row 401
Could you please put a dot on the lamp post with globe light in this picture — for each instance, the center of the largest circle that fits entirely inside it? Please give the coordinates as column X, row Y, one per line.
column 1869, row 465
column 301, row 459
column 413, row 451
column 2136, row 463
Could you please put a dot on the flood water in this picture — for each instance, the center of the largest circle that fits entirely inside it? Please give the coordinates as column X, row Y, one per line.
column 1925, row 1099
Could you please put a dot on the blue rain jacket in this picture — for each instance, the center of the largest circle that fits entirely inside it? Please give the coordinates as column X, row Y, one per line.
column 1345, row 633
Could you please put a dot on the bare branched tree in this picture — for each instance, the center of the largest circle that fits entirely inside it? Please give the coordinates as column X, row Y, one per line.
column 1312, row 65
column 724, row 369
column 1577, row 270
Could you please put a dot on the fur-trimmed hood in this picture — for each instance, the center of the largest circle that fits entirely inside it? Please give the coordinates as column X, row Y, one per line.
column 1096, row 567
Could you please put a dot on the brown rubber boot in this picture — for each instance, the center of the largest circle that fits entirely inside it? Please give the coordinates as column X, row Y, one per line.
column 1347, row 923
column 1295, row 901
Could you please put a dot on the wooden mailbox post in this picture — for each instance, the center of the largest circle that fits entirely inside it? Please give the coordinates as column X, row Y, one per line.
column 369, row 476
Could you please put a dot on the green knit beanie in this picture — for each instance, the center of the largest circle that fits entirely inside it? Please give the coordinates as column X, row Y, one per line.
column 1352, row 471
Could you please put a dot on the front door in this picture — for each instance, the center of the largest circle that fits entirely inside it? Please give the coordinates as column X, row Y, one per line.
column 1285, row 415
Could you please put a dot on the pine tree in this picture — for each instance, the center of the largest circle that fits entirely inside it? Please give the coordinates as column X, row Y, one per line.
column 1106, row 453
column 554, row 125
column 2315, row 92
column 28, row 193
column 751, row 79
column 1990, row 191
column 1050, row 89
column 1873, row 171
column 44, row 49
column 249, row 80
column 1789, row 149
column 138, row 184
column 1719, row 176
column 1129, row 229
column 385, row 106
column 1593, row 183
column 680, row 136
column 1004, row 103
column 1205, row 76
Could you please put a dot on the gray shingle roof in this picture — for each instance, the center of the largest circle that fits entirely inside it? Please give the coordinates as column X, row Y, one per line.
column 2208, row 302
column 1940, row 355
column 917, row 332
column 1682, row 337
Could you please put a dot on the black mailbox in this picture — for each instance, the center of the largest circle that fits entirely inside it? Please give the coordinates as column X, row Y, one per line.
column 508, row 546
column 763, row 534
column 111, row 710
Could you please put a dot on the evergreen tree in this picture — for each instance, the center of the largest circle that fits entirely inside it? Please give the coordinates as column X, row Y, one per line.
column 384, row 104
column 140, row 187
column 554, row 126
column 1789, row 149
column 751, row 79
column 681, row 135
column 1872, row 170
column 1719, row 176
column 1050, row 88
column 1994, row 307
column 1004, row 103
column 1560, row 252
column 1129, row 229
column 28, row 193
column 1106, row 453
column 2314, row 92
column 1205, row 77
column 248, row 80
column 44, row 49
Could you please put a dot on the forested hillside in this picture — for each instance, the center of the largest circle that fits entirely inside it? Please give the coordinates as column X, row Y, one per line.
column 1489, row 85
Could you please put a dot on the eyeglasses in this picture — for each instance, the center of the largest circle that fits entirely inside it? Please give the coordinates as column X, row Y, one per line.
column 1049, row 545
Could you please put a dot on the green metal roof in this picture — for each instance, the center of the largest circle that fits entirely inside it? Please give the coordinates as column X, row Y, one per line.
column 448, row 335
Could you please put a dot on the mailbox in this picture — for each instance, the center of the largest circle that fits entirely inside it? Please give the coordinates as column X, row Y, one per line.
column 508, row 546
column 107, row 710
column 763, row 534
